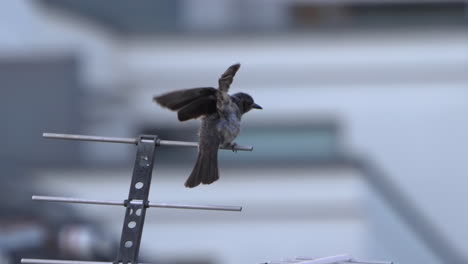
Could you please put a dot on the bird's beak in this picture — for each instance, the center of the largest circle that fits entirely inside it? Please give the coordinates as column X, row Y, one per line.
column 256, row 106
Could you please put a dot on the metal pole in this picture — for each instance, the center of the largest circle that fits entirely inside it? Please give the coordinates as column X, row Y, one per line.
column 327, row 260
column 344, row 258
column 121, row 203
column 369, row 262
column 75, row 200
column 53, row 261
column 57, row 261
column 134, row 141
column 90, row 138
column 198, row 207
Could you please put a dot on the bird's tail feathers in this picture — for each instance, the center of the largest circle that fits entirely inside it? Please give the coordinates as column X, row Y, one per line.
column 206, row 168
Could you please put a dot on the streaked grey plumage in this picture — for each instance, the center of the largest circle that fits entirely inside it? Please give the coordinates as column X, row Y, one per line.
column 221, row 115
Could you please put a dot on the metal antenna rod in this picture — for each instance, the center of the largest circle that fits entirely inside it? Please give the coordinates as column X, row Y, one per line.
column 52, row 261
column 158, row 205
column 134, row 141
column 325, row 260
column 56, row 261
column 344, row 258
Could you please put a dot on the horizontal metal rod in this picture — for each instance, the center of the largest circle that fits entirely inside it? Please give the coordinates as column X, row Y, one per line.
column 198, row 207
column 369, row 262
column 90, row 138
column 53, row 261
column 344, row 258
column 307, row 260
column 326, row 260
column 134, row 141
column 57, row 261
column 74, row 200
column 121, row 203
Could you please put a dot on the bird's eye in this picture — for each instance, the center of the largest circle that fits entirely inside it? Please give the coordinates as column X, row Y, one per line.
column 247, row 105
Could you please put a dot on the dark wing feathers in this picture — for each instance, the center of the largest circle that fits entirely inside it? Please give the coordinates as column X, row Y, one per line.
column 178, row 99
column 199, row 107
column 196, row 102
column 227, row 77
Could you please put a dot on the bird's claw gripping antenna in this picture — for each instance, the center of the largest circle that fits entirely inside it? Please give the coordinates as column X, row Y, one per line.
column 137, row 201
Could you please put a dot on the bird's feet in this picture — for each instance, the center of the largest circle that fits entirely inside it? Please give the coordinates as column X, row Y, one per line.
column 231, row 145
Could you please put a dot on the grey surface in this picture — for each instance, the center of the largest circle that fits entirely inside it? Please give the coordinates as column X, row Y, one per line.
column 38, row 93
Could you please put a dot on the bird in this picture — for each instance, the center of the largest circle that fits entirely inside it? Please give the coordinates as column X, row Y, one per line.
column 220, row 114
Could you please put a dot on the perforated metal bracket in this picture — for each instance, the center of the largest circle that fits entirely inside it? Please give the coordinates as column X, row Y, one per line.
column 137, row 202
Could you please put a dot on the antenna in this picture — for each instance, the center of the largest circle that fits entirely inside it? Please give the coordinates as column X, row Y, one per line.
column 137, row 202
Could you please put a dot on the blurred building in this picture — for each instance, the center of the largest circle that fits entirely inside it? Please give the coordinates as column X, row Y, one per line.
column 345, row 85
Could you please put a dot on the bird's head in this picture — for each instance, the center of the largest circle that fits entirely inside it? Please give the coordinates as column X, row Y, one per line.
column 245, row 102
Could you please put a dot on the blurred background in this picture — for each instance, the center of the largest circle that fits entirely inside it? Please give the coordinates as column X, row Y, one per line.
column 361, row 147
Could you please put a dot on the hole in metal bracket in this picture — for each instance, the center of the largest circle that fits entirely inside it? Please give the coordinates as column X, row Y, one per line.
column 131, row 224
column 138, row 212
column 128, row 244
column 139, row 185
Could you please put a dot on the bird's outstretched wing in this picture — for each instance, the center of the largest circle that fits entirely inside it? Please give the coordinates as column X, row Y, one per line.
column 223, row 100
column 178, row 99
column 195, row 102
column 190, row 103
column 200, row 107
column 226, row 79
